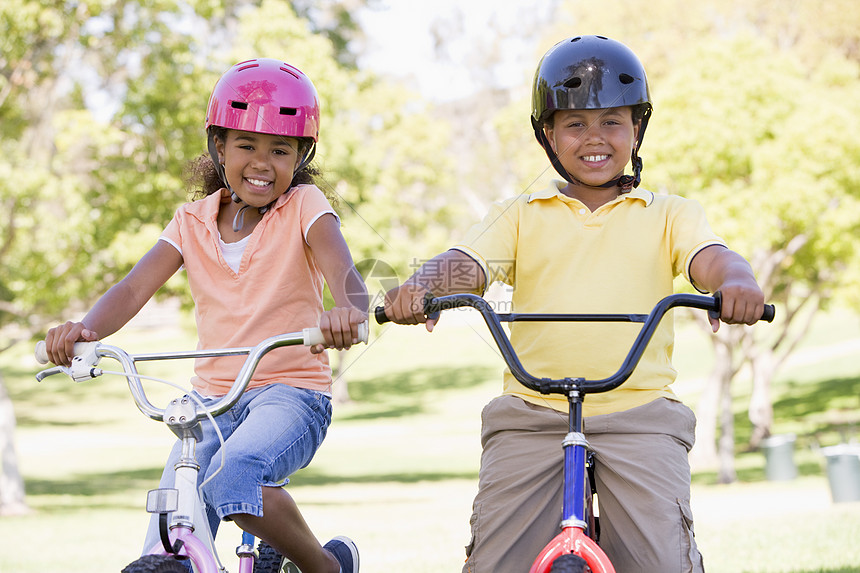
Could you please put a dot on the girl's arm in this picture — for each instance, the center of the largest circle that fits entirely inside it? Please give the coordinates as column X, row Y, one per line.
column 340, row 324
column 717, row 268
column 118, row 305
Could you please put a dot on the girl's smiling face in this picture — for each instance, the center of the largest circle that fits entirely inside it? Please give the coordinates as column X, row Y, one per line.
column 258, row 166
column 593, row 145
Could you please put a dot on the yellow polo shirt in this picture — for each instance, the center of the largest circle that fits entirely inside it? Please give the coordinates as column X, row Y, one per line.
column 559, row 257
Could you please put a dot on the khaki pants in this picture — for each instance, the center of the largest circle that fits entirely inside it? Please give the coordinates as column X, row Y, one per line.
column 642, row 479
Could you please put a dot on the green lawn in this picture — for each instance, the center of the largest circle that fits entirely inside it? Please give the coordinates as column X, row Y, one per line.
column 399, row 467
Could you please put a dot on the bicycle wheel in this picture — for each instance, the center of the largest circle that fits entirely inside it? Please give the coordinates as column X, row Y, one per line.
column 569, row 563
column 156, row 564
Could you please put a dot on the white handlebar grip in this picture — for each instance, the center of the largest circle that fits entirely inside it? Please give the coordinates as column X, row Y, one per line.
column 364, row 331
column 314, row 335
column 41, row 352
column 81, row 348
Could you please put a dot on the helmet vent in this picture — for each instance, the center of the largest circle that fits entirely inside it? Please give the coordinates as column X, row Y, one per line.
column 239, row 104
column 626, row 79
column 288, row 111
column 573, row 82
column 289, row 71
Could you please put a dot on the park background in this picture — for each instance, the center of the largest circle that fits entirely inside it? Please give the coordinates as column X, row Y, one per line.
column 757, row 107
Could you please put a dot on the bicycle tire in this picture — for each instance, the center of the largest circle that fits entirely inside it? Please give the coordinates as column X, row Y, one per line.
column 270, row 561
column 155, row 564
column 569, row 563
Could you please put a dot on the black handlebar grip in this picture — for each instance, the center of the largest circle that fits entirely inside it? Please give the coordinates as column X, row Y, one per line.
column 380, row 316
column 767, row 316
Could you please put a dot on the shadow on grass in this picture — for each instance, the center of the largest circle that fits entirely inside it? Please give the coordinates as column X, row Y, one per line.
column 311, row 477
column 755, row 473
column 827, row 407
column 401, row 394
column 96, row 484
column 822, row 407
column 849, row 569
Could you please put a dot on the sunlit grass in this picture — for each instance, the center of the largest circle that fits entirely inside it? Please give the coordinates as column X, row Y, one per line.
column 399, row 467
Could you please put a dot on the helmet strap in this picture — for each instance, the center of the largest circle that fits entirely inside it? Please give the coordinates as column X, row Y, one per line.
column 239, row 219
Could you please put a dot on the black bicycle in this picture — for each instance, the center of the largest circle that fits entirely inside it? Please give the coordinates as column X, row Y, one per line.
column 575, row 548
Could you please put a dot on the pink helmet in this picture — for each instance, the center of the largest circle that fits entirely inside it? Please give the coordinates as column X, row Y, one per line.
column 265, row 96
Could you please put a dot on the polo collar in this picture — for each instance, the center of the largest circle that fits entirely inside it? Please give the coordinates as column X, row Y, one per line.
column 555, row 187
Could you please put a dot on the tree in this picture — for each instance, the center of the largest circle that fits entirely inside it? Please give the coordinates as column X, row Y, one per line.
column 102, row 105
column 753, row 107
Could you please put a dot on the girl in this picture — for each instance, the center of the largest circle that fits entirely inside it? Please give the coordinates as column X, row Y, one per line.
column 257, row 249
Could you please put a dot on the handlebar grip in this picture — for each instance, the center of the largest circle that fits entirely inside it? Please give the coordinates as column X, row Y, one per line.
column 767, row 315
column 41, row 351
column 380, row 316
column 314, row 335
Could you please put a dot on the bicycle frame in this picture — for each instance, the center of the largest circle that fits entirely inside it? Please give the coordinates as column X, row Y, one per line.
column 573, row 538
column 183, row 416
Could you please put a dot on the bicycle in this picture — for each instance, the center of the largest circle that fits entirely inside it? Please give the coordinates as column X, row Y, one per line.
column 575, row 548
column 183, row 528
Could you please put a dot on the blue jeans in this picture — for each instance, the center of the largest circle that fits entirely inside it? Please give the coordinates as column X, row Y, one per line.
column 269, row 434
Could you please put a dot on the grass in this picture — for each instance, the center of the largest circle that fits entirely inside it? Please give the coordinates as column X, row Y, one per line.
column 399, row 468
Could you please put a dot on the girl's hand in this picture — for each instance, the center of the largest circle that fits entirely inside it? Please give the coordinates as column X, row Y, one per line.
column 340, row 328
column 60, row 341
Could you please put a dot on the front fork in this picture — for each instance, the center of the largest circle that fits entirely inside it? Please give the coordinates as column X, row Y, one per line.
column 576, row 492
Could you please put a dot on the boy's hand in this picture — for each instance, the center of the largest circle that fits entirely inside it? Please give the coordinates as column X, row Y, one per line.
column 405, row 304
column 340, row 328
column 60, row 341
column 742, row 303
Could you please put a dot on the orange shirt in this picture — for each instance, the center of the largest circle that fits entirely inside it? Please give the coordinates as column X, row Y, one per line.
column 278, row 288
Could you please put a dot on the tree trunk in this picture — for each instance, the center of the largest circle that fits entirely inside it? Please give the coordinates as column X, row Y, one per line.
column 761, row 401
column 704, row 455
column 726, row 472
column 11, row 484
column 711, row 410
column 340, row 386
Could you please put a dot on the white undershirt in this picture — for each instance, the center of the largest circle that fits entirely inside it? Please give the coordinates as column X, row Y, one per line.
column 233, row 252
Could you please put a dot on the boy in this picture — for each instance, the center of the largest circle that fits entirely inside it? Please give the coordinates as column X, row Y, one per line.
column 592, row 243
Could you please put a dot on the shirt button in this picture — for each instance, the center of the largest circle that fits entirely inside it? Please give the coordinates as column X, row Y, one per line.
column 582, row 211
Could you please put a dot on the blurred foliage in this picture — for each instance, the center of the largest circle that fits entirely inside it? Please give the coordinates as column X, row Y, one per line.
column 102, row 105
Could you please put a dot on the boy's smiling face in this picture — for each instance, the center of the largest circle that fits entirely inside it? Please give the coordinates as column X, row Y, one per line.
column 593, row 145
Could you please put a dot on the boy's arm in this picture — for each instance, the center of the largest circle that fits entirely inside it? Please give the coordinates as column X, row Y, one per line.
column 716, row 268
column 405, row 304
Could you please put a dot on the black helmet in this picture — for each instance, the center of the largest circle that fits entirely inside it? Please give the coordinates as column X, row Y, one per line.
column 590, row 72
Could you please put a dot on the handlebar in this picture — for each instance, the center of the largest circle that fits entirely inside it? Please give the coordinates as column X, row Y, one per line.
column 566, row 385
column 88, row 355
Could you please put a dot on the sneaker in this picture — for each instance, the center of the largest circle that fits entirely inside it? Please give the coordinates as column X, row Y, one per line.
column 346, row 553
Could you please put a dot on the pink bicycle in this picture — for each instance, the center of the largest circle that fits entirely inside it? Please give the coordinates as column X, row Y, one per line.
column 187, row 543
column 575, row 548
